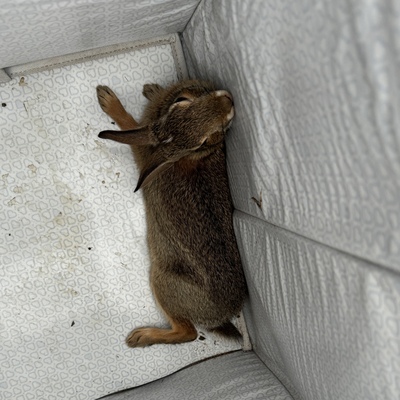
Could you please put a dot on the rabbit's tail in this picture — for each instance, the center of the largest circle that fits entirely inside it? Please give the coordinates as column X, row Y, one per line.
column 228, row 330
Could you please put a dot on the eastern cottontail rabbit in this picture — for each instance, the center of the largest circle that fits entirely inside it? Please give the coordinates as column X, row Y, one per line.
column 196, row 274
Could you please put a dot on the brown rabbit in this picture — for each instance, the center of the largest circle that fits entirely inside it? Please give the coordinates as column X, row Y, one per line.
column 196, row 274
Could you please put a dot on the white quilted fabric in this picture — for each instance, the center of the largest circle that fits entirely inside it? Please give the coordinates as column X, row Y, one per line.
column 326, row 324
column 315, row 150
column 37, row 29
column 317, row 128
column 73, row 258
column 236, row 376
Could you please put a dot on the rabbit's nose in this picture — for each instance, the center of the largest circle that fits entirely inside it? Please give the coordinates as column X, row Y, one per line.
column 226, row 102
column 224, row 93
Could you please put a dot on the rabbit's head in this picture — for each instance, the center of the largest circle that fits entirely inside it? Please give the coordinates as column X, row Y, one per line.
column 188, row 119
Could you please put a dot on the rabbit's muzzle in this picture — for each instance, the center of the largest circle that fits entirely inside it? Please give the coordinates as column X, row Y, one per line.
column 226, row 105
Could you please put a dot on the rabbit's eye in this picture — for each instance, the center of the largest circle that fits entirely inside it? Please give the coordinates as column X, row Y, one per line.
column 203, row 145
column 179, row 99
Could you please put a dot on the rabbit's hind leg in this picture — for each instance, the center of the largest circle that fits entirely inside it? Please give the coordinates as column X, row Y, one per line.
column 180, row 332
column 111, row 105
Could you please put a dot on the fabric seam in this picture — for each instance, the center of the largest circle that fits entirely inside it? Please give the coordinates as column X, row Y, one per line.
column 74, row 60
column 295, row 234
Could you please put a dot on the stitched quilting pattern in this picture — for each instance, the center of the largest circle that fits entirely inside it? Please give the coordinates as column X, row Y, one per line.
column 39, row 29
column 314, row 149
column 325, row 323
column 316, row 132
column 236, row 376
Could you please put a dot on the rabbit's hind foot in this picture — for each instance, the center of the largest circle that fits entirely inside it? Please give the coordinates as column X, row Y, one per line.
column 179, row 333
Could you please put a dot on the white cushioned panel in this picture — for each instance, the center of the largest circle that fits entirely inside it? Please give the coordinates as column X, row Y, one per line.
column 315, row 150
column 33, row 30
column 325, row 323
column 235, row 376
column 317, row 128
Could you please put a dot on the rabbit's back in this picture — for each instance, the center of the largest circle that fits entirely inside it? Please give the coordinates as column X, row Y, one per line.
column 191, row 236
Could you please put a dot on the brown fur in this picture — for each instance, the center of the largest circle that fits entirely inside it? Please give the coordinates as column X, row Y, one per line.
column 196, row 274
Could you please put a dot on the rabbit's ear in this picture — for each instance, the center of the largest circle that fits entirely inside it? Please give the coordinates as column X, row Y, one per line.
column 155, row 165
column 152, row 90
column 139, row 136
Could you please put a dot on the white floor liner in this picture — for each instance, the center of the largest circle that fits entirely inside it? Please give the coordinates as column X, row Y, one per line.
column 73, row 261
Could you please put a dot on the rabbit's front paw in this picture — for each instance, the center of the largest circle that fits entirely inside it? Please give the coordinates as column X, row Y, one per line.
column 107, row 99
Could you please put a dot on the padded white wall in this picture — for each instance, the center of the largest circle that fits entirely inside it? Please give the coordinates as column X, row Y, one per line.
column 316, row 137
column 34, row 30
